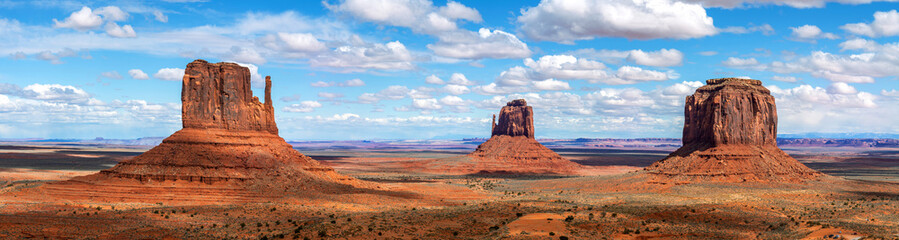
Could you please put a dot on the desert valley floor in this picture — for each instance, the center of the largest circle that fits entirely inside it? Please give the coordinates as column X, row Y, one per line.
column 606, row 200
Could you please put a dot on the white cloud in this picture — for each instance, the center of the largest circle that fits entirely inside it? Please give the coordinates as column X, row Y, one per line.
column 330, row 95
column 810, row 32
column 169, row 74
column 244, row 55
column 566, row 21
column 460, row 79
column 390, row 56
column 348, row 83
column 784, row 78
column 765, row 29
column 395, row 92
column 352, row 83
column 792, row 3
column 419, row 15
column 54, row 57
column 160, row 16
column 57, row 93
column 111, row 13
column 125, row 31
column 740, row 62
column 478, row 45
column 433, row 79
column 138, row 74
column 841, row 88
column 661, row 58
column 551, row 85
column 885, row 24
column 454, row 89
column 452, row 101
column 873, row 61
column 111, row 74
column 297, row 44
column 708, row 53
column 426, row 104
column 81, row 20
column 304, row 106
column 639, row 74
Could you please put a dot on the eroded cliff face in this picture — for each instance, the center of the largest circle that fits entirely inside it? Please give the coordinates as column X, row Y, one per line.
column 730, row 111
column 730, row 131
column 219, row 96
column 515, row 119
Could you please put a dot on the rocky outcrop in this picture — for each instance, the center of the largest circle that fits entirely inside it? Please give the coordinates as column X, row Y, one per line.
column 515, row 119
column 228, row 138
column 219, row 96
column 511, row 149
column 730, row 131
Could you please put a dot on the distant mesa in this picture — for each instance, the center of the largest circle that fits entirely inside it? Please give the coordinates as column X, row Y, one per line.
column 229, row 140
column 512, row 148
column 730, row 131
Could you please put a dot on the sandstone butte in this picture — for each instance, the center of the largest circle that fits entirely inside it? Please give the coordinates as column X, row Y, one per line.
column 730, row 131
column 512, row 148
column 229, row 143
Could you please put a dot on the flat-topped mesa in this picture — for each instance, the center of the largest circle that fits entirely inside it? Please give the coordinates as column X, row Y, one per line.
column 515, row 119
column 730, row 111
column 730, row 131
column 218, row 96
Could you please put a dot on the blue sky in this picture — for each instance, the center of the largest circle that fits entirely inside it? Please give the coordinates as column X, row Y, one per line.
column 417, row 69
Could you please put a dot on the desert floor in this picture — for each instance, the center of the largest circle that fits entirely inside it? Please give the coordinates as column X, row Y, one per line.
column 608, row 200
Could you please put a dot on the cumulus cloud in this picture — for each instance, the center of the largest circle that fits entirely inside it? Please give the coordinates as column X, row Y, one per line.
column 454, row 89
column 426, row 104
column 784, row 78
column 55, row 92
column 304, row 106
column 81, row 20
column 390, row 56
column 433, row 79
column 478, row 45
column 885, row 24
column 329, row 95
column 661, row 58
column 138, row 74
column 567, row 21
column 548, row 70
column 169, row 74
column 791, row 3
column 297, row 45
column 841, row 88
column 872, row 61
column 808, row 33
column 419, row 15
column 115, row 30
column 245, row 55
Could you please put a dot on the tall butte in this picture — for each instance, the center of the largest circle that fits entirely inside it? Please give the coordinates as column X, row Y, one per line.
column 512, row 148
column 730, row 131
column 229, row 142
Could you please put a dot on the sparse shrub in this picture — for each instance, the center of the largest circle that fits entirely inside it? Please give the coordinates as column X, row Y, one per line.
column 552, row 233
column 563, row 238
column 322, row 233
column 519, row 214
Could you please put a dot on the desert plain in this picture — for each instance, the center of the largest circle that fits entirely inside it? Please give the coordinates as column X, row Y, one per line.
column 859, row 199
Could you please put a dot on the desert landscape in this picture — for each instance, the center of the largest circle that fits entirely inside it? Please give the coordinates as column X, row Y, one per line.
column 449, row 119
column 227, row 174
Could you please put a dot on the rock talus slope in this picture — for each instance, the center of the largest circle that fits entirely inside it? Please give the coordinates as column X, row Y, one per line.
column 513, row 149
column 730, row 131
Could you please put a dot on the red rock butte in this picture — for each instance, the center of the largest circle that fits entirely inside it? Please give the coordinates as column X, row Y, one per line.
column 512, row 148
column 228, row 139
column 730, row 131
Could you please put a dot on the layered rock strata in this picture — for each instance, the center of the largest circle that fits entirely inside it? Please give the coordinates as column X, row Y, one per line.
column 730, row 131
